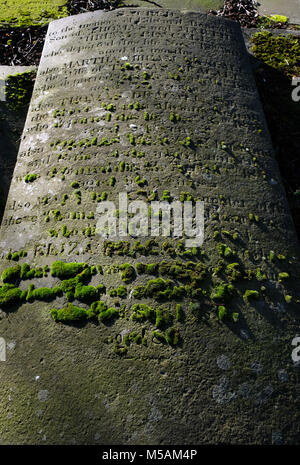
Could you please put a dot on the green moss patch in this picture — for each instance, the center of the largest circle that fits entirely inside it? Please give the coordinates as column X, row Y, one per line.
column 63, row 270
column 141, row 312
column 272, row 20
column 74, row 313
column 31, row 12
column 46, row 294
column 18, row 90
column 69, row 313
column 250, row 295
column 280, row 52
column 86, row 293
column 160, row 289
column 121, row 291
column 30, row 177
column 10, row 295
column 222, row 293
column 12, row 274
column 172, row 336
column 128, row 272
column 108, row 314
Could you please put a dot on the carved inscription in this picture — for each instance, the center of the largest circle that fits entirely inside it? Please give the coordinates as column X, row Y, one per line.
column 115, row 98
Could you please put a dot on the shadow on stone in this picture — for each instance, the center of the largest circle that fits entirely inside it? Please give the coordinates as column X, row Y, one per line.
column 283, row 119
column 11, row 127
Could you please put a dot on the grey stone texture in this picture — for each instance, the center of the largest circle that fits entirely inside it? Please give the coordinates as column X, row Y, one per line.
column 140, row 67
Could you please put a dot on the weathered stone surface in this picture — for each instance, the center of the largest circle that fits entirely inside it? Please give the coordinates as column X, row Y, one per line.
column 6, row 71
column 115, row 381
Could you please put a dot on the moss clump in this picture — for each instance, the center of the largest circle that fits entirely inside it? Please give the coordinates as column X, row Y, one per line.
column 112, row 181
column 29, row 294
column 166, row 196
column 150, row 268
column 128, row 66
column 186, row 271
column 253, row 217
column 10, row 295
column 159, row 336
column 140, row 182
column 25, row 270
column 179, row 313
column 12, row 274
column 222, row 293
column 235, row 317
column 224, row 315
column 45, row 293
column 18, row 89
column 250, row 295
column 131, row 139
column 153, row 196
column 96, row 308
column 156, row 286
column 16, row 255
column 63, row 270
column 280, row 52
column 267, row 21
column 86, row 293
column 28, row 273
column 283, row 276
column 120, row 248
column 69, row 313
column 163, row 318
column 140, row 268
column 127, row 272
column 124, row 248
column 122, row 292
column 142, row 312
column 272, row 256
column 224, row 250
column 74, row 286
column 119, row 350
column 232, row 271
column 279, row 18
column 30, row 177
column 174, row 117
column 68, row 286
column 160, row 289
column 133, row 337
column 108, row 314
column 172, row 336
column 222, row 312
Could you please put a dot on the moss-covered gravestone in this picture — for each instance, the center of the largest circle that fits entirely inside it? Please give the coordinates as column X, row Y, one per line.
column 142, row 340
